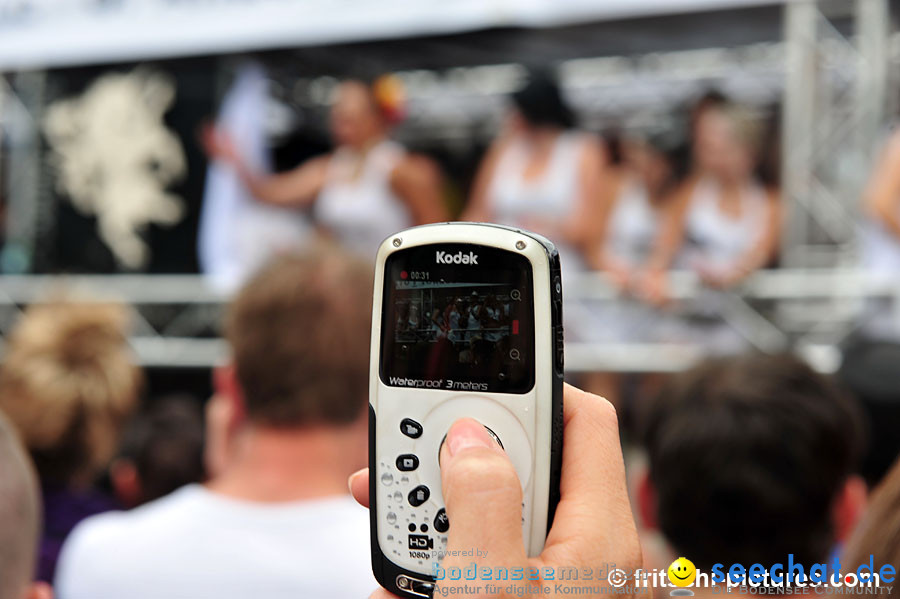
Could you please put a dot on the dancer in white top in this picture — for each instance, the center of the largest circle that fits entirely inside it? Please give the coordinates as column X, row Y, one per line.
column 543, row 176
column 635, row 193
column 722, row 223
column 880, row 237
column 634, row 196
column 540, row 174
column 364, row 191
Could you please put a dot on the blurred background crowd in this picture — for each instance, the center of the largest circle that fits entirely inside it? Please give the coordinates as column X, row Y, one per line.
column 722, row 179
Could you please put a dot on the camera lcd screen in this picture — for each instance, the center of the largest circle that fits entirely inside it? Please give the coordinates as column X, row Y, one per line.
column 458, row 317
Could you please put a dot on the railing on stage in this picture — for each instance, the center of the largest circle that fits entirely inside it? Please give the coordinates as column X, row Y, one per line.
column 176, row 317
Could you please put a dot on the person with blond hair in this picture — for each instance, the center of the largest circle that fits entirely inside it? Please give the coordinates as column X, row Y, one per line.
column 68, row 383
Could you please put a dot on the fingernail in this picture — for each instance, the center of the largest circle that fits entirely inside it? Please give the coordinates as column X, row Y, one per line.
column 468, row 433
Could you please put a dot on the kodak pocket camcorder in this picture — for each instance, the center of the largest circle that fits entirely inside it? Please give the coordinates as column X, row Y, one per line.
column 467, row 322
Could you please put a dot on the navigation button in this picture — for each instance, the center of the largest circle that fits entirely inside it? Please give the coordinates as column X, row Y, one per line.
column 411, row 428
column 419, row 495
column 407, row 462
column 494, row 437
column 441, row 522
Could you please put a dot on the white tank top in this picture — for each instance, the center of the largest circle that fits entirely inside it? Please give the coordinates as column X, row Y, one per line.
column 360, row 213
column 716, row 240
column 551, row 196
column 880, row 257
column 633, row 224
column 880, row 248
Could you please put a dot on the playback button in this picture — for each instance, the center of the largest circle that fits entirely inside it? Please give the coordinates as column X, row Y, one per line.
column 407, row 462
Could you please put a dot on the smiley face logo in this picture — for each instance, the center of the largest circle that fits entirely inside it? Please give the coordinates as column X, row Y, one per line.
column 682, row 572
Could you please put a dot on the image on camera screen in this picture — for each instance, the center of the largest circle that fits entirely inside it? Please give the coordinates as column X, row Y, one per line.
column 458, row 335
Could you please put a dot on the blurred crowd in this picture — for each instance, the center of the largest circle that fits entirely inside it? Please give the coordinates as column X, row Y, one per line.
column 743, row 459
column 746, row 458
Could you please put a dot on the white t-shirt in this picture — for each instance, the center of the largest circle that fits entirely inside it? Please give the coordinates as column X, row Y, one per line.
column 196, row 544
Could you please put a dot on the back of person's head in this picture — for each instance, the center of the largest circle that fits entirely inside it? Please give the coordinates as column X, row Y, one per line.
column 541, row 104
column 68, row 383
column 19, row 516
column 299, row 332
column 161, row 450
column 748, row 458
column 878, row 534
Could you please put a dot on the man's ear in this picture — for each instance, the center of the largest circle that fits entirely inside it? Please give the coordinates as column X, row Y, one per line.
column 225, row 413
column 226, row 385
column 849, row 507
column 646, row 501
column 39, row 590
column 126, row 484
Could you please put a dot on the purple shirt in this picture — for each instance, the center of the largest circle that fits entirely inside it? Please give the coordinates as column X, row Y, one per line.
column 63, row 509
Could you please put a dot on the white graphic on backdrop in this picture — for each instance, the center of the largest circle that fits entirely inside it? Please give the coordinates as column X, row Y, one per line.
column 115, row 157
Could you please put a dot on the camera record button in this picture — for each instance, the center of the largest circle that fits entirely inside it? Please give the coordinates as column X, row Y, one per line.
column 441, row 522
column 411, row 428
column 407, row 462
column 419, row 495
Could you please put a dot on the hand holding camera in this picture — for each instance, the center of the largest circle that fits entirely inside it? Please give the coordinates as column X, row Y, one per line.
column 593, row 526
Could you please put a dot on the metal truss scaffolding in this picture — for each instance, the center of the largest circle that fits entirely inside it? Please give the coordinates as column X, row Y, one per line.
column 833, row 81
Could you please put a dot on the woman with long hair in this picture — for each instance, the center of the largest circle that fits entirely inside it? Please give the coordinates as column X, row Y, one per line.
column 723, row 223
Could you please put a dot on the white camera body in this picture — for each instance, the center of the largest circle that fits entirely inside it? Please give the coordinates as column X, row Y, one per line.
column 467, row 322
